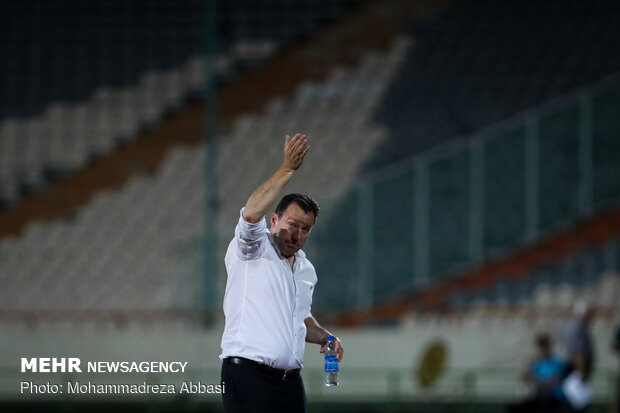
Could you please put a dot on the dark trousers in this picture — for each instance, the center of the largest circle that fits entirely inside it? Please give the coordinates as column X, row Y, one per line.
column 249, row 389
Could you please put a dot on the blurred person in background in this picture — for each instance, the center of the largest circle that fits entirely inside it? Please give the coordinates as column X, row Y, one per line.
column 268, row 297
column 543, row 374
column 578, row 343
column 579, row 357
column 615, row 346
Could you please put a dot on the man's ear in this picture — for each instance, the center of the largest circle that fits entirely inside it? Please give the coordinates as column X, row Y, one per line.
column 274, row 219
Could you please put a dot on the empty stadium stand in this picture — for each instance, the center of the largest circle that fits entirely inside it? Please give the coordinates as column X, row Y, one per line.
column 409, row 226
column 592, row 275
column 481, row 61
column 80, row 81
column 148, row 235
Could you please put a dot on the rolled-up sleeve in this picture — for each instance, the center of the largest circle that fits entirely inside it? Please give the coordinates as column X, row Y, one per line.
column 250, row 238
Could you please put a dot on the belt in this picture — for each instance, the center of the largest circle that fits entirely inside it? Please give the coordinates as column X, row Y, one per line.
column 283, row 374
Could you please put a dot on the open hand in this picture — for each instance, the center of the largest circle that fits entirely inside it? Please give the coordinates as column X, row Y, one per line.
column 295, row 150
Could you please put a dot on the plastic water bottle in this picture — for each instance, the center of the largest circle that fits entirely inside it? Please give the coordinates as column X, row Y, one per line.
column 331, row 362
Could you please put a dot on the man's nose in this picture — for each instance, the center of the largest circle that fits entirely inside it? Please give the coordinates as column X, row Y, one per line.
column 295, row 235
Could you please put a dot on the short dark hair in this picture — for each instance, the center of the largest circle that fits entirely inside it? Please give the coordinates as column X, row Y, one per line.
column 543, row 340
column 306, row 203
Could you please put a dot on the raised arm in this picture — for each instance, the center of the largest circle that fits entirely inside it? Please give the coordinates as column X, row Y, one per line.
column 259, row 203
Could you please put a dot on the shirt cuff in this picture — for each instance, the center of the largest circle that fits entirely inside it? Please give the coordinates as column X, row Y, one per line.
column 249, row 231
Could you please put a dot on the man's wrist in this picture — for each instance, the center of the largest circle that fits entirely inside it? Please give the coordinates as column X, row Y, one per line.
column 286, row 168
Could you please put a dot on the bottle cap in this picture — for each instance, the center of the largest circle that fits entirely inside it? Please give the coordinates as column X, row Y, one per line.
column 331, row 338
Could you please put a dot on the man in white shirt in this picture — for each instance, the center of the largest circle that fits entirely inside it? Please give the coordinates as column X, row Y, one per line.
column 269, row 296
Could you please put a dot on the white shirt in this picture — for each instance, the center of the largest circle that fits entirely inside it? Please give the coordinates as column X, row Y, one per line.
column 266, row 302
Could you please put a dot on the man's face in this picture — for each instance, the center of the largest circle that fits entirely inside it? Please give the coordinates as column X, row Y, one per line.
column 291, row 231
column 544, row 349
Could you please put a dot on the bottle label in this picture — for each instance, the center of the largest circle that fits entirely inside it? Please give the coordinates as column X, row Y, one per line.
column 331, row 363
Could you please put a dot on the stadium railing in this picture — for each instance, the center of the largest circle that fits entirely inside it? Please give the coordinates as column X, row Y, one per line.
column 424, row 219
